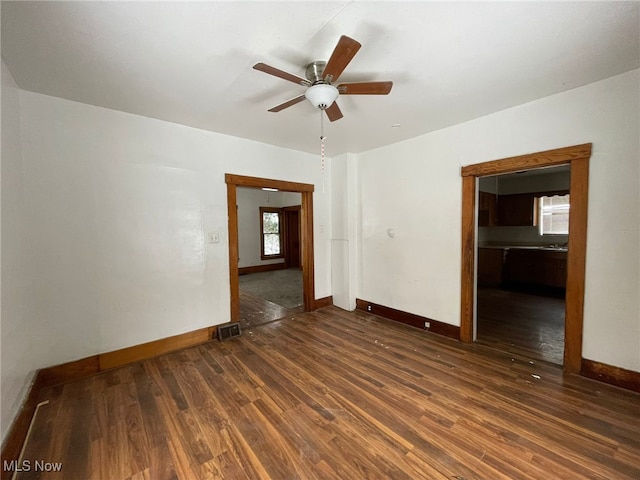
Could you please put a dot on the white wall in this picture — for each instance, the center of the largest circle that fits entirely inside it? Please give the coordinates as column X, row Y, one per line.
column 249, row 201
column 293, row 199
column 112, row 211
column 415, row 187
column 23, row 340
column 344, row 230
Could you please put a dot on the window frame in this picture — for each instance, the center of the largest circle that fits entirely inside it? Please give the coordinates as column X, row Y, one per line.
column 279, row 211
column 539, row 215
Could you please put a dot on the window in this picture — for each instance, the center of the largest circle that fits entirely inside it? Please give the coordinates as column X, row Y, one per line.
column 271, row 228
column 553, row 215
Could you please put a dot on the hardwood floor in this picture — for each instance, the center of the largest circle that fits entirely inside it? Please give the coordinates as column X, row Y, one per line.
column 282, row 286
column 522, row 322
column 337, row 395
column 256, row 311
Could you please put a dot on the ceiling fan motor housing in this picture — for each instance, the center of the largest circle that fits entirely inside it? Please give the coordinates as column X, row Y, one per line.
column 314, row 72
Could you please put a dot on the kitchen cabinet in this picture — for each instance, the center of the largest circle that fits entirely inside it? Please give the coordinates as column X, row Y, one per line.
column 516, row 210
column 490, row 262
column 536, row 267
column 487, row 209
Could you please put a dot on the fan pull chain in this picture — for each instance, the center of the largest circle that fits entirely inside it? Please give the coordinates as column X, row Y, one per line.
column 322, row 137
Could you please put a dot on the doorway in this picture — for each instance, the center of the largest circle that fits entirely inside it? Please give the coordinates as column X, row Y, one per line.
column 305, row 243
column 268, row 243
column 522, row 239
column 578, row 159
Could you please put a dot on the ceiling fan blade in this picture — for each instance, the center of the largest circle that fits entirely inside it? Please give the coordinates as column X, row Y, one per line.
column 365, row 88
column 333, row 112
column 287, row 104
column 263, row 67
column 343, row 53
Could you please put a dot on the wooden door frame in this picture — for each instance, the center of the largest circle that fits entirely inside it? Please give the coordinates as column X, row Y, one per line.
column 577, row 157
column 306, row 230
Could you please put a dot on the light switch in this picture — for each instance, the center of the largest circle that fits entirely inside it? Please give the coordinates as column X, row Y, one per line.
column 214, row 238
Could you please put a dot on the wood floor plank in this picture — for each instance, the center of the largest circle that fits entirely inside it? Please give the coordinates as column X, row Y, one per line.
column 338, row 395
column 240, row 457
column 161, row 467
column 523, row 321
column 255, row 311
column 286, row 447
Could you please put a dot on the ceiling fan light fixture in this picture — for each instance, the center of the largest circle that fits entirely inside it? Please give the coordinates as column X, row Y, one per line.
column 322, row 95
column 320, row 77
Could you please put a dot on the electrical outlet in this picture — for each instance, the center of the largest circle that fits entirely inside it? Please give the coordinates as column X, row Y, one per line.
column 368, row 308
column 427, row 325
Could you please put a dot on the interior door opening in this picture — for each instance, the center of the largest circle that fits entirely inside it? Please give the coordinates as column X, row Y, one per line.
column 578, row 158
column 269, row 255
column 522, row 239
column 285, row 234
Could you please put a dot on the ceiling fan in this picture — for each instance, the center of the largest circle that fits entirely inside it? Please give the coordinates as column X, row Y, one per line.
column 320, row 79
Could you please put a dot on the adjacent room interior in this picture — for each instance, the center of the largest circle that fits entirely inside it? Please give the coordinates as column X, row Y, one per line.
column 269, row 255
column 523, row 234
column 310, row 240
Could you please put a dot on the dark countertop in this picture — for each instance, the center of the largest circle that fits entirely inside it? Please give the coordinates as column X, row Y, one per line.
column 548, row 248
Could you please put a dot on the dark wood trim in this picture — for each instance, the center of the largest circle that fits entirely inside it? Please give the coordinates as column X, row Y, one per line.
column 578, row 157
column 257, row 182
column 323, row 302
column 234, row 282
column 261, row 268
column 548, row 158
column 407, row 318
column 617, row 376
column 292, row 208
column 83, row 368
column 467, row 299
column 308, row 269
column 69, row 372
column 129, row 355
column 576, row 260
column 306, row 224
column 286, row 236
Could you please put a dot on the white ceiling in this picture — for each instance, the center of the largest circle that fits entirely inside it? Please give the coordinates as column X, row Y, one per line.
column 190, row 63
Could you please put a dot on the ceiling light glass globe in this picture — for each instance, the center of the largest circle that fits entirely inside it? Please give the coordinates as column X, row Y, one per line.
column 321, row 95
